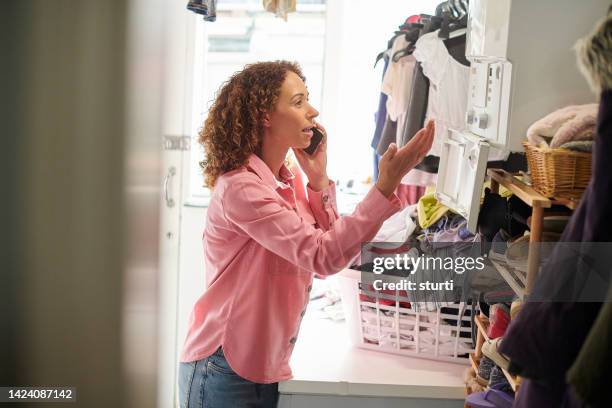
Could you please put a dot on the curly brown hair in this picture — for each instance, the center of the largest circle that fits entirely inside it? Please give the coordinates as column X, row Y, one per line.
column 233, row 129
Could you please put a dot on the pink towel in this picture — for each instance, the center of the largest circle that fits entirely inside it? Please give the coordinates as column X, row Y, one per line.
column 575, row 122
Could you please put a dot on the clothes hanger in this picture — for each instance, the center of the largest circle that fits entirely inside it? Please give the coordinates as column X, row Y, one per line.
column 411, row 37
column 389, row 45
column 450, row 24
column 445, row 27
column 457, row 33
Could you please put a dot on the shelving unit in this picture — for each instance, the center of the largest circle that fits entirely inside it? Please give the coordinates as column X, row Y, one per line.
column 483, row 324
column 520, row 283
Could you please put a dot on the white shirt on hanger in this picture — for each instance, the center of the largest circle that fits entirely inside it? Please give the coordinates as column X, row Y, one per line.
column 448, row 90
column 397, row 80
column 397, row 84
column 448, row 87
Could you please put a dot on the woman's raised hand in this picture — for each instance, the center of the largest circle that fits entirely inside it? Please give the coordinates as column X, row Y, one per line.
column 395, row 163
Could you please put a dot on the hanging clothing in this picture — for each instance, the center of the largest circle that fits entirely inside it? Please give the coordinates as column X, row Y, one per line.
column 448, row 87
column 420, row 178
column 409, row 193
column 397, row 83
column 589, row 374
column 387, row 136
column 379, row 119
column 208, row 8
column 532, row 341
column 381, row 113
column 280, row 8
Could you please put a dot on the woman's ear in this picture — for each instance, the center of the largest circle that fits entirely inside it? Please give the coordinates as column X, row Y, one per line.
column 266, row 120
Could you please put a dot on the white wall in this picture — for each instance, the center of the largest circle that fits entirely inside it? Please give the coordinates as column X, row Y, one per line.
column 191, row 267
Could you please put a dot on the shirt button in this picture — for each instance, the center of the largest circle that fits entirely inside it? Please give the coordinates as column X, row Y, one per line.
column 325, row 199
column 303, row 313
column 293, row 340
column 309, row 288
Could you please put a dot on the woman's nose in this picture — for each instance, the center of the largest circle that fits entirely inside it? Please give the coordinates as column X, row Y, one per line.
column 312, row 112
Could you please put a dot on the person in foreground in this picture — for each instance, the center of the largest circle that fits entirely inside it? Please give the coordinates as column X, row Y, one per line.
column 265, row 237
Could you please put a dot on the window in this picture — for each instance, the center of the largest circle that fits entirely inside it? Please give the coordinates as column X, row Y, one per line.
column 244, row 33
column 336, row 43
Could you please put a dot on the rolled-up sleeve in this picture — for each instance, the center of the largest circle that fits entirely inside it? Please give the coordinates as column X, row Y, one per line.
column 323, row 206
column 258, row 211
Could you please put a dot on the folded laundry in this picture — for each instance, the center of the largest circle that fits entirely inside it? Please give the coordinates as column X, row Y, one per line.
column 397, row 228
column 575, row 122
column 430, row 210
column 585, row 146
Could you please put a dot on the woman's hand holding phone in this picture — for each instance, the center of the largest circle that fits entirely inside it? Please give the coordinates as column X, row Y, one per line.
column 315, row 165
column 396, row 163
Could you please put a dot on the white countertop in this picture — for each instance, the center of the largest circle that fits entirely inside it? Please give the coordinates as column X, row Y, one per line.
column 324, row 362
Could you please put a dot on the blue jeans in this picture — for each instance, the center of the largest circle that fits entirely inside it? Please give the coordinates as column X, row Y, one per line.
column 211, row 383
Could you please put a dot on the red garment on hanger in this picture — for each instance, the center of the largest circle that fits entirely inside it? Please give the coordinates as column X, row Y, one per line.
column 413, row 19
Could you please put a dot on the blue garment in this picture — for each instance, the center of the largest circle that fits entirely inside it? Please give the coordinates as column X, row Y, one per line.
column 376, row 160
column 208, row 8
column 211, row 382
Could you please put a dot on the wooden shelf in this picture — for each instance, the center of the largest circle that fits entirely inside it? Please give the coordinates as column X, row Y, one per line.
column 527, row 193
column 538, row 203
column 524, row 191
column 515, row 382
column 474, row 362
column 483, row 324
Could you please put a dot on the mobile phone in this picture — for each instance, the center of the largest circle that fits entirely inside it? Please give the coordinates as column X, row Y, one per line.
column 317, row 137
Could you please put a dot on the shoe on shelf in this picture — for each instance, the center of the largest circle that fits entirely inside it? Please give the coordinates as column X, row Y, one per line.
column 499, row 380
column 499, row 318
column 489, row 349
column 515, row 307
column 484, row 369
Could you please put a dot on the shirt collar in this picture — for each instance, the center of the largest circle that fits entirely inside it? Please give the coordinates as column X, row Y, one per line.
column 263, row 171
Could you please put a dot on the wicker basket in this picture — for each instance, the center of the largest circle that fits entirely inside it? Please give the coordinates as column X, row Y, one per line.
column 559, row 173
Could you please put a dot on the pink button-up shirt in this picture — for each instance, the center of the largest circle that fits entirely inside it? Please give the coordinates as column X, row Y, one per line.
column 263, row 242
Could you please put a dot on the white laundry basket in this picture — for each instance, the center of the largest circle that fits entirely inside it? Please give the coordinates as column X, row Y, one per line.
column 398, row 329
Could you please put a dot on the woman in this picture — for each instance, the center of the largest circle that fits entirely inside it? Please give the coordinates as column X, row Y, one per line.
column 264, row 239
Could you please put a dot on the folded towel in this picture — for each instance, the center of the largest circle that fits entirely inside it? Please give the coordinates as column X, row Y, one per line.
column 542, row 130
column 581, row 127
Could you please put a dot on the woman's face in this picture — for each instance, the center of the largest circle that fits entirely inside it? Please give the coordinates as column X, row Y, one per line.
column 290, row 123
